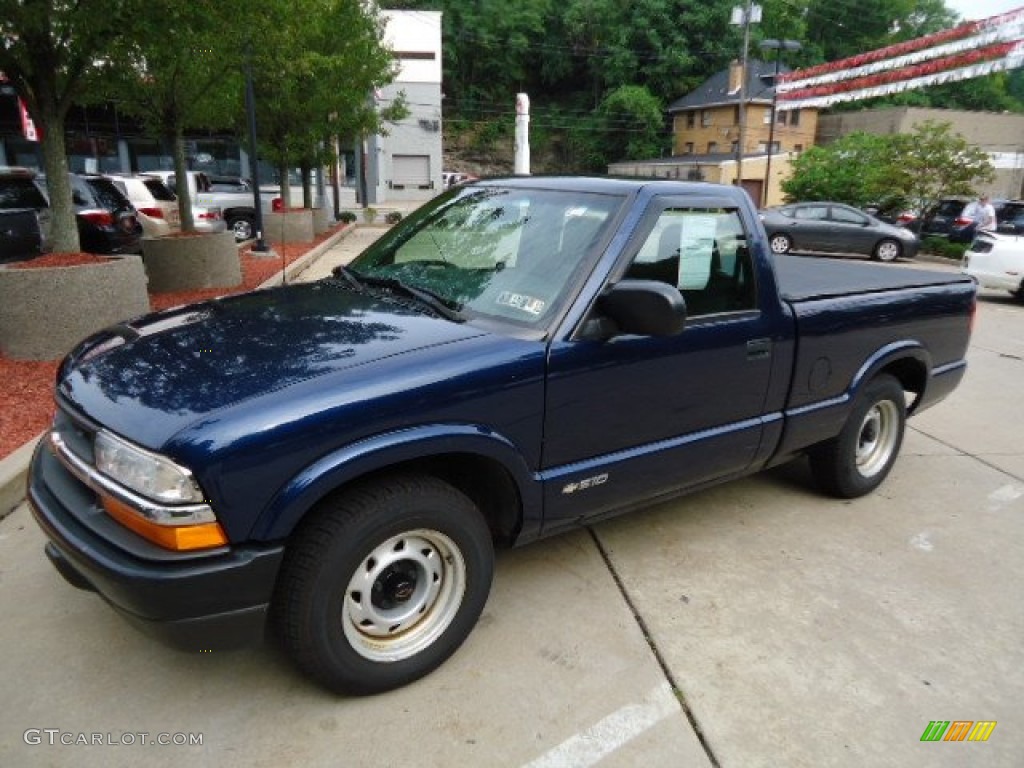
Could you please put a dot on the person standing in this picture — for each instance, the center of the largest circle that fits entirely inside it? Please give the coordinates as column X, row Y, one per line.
column 985, row 215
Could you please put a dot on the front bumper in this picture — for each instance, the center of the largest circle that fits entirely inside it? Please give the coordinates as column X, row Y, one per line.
column 189, row 601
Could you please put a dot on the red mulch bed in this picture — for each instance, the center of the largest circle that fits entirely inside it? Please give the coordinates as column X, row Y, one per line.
column 26, row 392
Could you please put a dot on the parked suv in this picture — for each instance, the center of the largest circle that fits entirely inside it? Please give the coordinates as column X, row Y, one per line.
column 20, row 190
column 1010, row 218
column 947, row 219
column 107, row 222
column 155, row 203
column 938, row 221
column 20, row 235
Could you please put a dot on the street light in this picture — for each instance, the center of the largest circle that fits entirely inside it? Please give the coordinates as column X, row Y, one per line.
column 778, row 46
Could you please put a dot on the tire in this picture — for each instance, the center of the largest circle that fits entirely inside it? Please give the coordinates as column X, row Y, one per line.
column 244, row 228
column 887, row 250
column 859, row 459
column 780, row 243
column 382, row 584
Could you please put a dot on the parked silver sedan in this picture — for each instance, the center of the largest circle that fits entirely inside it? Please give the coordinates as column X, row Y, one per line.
column 835, row 228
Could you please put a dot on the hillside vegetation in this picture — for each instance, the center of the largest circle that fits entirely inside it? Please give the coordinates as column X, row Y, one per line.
column 600, row 73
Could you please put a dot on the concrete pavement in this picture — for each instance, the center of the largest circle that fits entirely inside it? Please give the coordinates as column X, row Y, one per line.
column 780, row 627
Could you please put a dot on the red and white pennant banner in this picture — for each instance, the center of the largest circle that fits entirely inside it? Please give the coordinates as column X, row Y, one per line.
column 970, row 50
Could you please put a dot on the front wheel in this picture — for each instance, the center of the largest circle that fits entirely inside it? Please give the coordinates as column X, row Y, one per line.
column 780, row 243
column 859, row 459
column 383, row 584
column 888, row 250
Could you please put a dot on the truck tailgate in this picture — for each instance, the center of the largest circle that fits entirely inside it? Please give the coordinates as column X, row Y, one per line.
column 803, row 278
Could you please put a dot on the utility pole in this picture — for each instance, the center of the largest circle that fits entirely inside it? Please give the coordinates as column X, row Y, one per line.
column 778, row 46
column 746, row 16
column 522, row 160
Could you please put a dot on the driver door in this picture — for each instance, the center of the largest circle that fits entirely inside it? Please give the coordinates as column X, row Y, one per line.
column 637, row 416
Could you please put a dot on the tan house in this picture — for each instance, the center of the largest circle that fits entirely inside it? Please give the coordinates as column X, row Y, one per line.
column 705, row 135
column 1000, row 134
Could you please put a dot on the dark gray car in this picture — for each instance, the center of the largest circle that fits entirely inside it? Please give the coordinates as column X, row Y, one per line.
column 835, row 228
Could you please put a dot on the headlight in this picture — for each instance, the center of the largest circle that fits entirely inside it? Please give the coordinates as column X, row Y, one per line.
column 149, row 474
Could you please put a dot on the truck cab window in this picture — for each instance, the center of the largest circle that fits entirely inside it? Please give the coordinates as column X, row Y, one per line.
column 702, row 252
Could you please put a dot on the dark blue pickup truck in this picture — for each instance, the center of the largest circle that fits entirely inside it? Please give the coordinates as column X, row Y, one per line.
column 338, row 460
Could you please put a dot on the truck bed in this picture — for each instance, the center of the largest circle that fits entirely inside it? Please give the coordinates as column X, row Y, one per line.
column 806, row 278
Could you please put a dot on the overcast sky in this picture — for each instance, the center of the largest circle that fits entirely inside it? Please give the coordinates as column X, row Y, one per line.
column 982, row 9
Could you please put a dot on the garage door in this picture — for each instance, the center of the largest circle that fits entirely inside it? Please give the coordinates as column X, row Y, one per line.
column 410, row 172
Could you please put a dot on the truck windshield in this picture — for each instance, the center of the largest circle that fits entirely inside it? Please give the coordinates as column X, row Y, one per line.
column 506, row 253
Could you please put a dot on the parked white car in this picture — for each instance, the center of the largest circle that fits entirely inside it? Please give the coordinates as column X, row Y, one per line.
column 996, row 261
column 156, row 204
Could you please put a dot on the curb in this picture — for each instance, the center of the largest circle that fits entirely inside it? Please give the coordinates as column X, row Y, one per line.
column 13, row 474
column 14, row 467
column 303, row 263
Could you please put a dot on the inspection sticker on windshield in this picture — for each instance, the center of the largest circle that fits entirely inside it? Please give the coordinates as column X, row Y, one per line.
column 519, row 301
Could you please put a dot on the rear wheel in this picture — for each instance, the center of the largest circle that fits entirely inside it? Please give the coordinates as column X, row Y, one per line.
column 383, row 584
column 243, row 227
column 888, row 250
column 780, row 243
column 859, row 459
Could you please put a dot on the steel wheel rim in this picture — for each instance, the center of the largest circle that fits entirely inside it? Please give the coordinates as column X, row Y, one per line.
column 780, row 244
column 888, row 251
column 876, row 438
column 242, row 229
column 403, row 595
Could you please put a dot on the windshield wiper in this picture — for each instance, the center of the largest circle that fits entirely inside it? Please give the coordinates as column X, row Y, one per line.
column 440, row 306
column 348, row 275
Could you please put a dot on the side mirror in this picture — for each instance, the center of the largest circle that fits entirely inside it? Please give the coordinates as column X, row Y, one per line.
column 643, row 308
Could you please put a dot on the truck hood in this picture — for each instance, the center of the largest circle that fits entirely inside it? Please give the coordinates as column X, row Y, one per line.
column 156, row 375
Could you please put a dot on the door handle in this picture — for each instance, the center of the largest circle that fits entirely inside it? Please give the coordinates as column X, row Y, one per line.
column 759, row 349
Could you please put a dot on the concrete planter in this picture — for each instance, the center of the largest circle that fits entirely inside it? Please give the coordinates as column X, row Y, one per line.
column 289, row 226
column 322, row 220
column 45, row 311
column 191, row 262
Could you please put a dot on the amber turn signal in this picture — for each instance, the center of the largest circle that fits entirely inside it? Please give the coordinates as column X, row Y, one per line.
column 180, row 538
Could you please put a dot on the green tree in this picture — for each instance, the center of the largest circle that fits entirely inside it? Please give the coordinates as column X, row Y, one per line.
column 934, row 162
column 54, row 53
column 318, row 83
column 634, row 124
column 857, row 169
column 193, row 78
column 919, row 167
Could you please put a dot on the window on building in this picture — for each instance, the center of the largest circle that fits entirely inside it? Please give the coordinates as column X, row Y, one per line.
column 688, row 148
column 691, row 119
column 712, row 147
column 705, row 117
column 767, row 117
column 762, row 146
column 734, row 147
column 736, row 115
column 794, row 116
column 781, row 118
column 798, row 147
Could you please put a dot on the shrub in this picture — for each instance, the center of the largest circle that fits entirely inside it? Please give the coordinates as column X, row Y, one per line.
column 347, row 217
column 939, row 246
column 393, row 217
column 369, row 215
